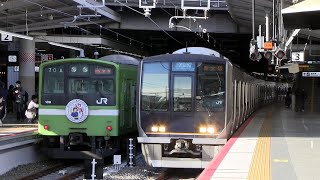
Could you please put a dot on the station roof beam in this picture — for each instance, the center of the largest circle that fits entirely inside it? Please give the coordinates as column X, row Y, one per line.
column 105, row 11
column 305, row 14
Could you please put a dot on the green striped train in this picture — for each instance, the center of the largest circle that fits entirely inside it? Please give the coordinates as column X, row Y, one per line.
column 87, row 106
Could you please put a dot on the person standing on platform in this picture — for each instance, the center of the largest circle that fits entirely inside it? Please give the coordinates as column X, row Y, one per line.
column 288, row 97
column 301, row 97
column 20, row 100
column 3, row 100
column 10, row 100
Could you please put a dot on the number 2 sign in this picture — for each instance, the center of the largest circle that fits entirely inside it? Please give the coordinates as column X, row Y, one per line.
column 6, row 37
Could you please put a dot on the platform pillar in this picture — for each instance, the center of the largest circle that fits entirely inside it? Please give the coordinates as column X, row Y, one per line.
column 27, row 66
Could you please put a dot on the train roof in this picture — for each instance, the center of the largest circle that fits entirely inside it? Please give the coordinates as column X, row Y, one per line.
column 185, row 57
column 121, row 59
column 199, row 50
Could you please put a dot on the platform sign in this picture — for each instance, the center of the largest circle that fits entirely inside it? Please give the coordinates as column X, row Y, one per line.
column 268, row 45
column 46, row 57
column 16, row 68
column 6, row 37
column 12, row 58
column 297, row 56
column 310, row 74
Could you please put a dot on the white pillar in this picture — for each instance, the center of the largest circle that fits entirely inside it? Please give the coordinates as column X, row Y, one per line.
column 27, row 65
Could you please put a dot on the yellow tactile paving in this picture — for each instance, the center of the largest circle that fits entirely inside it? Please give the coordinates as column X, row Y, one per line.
column 260, row 168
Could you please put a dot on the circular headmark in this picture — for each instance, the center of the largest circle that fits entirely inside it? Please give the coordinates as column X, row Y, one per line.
column 77, row 111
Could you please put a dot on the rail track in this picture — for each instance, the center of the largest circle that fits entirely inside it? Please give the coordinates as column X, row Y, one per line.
column 58, row 172
column 179, row 174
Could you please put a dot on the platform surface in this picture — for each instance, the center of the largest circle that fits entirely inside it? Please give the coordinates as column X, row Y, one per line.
column 274, row 143
column 11, row 128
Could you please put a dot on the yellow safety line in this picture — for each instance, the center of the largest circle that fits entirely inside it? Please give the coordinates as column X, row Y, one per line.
column 312, row 96
column 260, row 168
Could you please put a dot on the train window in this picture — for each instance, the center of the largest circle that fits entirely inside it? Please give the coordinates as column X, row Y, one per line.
column 182, row 91
column 53, row 81
column 210, row 88
column 91, row 86
column 155, row 86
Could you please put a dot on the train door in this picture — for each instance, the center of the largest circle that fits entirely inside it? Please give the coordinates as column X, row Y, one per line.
column 129, row 105
column 182, row 95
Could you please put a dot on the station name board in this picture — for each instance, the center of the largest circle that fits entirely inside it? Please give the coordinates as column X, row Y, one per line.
column 310, row 74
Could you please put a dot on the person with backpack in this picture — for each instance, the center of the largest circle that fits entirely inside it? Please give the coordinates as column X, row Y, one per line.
column 21, row 99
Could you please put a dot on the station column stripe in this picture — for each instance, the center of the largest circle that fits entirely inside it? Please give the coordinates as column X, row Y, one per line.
column 208, row 172
column 260, row 168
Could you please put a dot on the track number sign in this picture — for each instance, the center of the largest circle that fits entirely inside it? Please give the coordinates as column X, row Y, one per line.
column 6, row 37
column 297, row 56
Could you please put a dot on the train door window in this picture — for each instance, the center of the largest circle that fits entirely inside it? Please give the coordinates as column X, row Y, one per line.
column 182, row 93
column 155, row 86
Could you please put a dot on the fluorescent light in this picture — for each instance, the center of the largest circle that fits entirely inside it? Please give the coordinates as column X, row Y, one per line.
column 64, row 46
column 94, row 45
column 68, row 47
column 41, row 50
column 101, row 47
column 16, row 35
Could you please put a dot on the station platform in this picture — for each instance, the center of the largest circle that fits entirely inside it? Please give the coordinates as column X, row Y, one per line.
column 11, row 128
column 274, row 143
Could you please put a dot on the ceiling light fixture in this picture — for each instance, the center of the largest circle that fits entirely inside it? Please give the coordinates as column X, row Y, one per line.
column 68, row 47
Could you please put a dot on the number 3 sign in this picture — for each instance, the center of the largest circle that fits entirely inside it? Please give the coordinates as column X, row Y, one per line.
column 297, row 56
column 5, row 37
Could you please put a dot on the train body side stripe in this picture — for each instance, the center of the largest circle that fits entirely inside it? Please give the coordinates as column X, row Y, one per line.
column 100, row 112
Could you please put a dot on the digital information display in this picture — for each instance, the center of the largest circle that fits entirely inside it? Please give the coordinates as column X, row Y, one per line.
column 183, row 66
column 102, row 70
column 213, row 68
column 54, row 70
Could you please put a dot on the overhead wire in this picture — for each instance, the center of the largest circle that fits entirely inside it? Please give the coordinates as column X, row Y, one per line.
column 177, row 7
column 151, row 21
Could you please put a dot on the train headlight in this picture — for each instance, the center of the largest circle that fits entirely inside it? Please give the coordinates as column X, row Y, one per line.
column 210, row 130
column 203, row 129
column 154, row 129
column 162, row 129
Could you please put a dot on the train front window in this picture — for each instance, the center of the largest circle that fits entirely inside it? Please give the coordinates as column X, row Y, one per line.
column 210, row 88
column 53, row 81
column 182, row 100
column 100, row 86
column 155, row 86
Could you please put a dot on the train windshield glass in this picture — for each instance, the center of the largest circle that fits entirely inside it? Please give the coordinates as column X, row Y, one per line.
column 155, row 86
column 54, row 80
column 91, row 86
column 210, row 87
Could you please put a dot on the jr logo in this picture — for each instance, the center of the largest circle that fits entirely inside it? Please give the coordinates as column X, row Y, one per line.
column 102, row 101
column 219, row 103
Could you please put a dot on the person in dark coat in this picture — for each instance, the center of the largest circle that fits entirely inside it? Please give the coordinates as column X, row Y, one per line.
column 288, row 97
column 3, row 100
column 301, row 96
column 10, row 100
column 21, row 98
